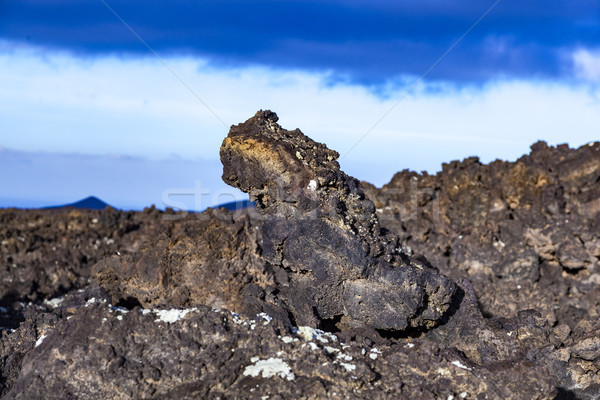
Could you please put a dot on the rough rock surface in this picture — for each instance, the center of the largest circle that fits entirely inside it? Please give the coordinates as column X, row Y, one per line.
column 48, row 252
column 155, row 317
column 322, row 236
column 200, row 352
column 208, row 260
column 527, row 234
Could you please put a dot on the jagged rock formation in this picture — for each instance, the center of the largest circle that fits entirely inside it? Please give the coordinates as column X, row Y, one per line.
column 45, row 253
column 210, row 259
column 527, row 233
column 87, row 348
column 518, row 239
column 322, row 234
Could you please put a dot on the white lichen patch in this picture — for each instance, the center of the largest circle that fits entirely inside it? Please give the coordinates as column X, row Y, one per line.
column 374, row 353
column 309, row 334
column 93, row 301
column 341, row 357
column 312, row 185
column 40, row 340
column 266, row 317
column 170, row 316
column 54, row 303
column 236, row 319
column 461, row 365
column 242, row 321
column 344, row 357
column 287, row 339
column 269, row 368
column 409, row 345
column 349, row 367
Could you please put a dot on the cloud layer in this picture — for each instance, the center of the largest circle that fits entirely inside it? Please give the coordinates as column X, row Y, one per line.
column 366, row 41
column 130, row 114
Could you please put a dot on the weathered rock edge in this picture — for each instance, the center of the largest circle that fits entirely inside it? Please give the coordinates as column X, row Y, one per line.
column 321, row 235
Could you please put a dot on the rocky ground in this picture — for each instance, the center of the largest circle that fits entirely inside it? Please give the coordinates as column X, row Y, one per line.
column 479, row 282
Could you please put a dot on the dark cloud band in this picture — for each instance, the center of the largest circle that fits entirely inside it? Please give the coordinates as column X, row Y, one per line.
column 366, row 41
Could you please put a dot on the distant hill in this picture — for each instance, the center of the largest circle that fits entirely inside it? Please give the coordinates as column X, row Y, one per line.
column 236, row 205
column 94, row 203
column 90, row 203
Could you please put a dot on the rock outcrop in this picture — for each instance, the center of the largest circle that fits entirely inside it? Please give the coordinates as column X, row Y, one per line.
column 322, row 235
column 525, row 233
column 209, row 259
column 88, row 348
column 227, row 305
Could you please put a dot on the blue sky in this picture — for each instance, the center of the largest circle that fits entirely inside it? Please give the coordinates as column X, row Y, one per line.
column 130, row 101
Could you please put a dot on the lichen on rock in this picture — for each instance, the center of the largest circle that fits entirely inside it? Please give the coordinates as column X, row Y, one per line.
column 321, row 235
column 202, row 307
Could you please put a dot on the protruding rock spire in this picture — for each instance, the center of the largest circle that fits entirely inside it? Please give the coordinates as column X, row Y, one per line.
column 322, row 236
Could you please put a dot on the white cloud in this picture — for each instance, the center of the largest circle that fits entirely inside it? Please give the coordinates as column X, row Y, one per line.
column 587, row 65
column 135, row 106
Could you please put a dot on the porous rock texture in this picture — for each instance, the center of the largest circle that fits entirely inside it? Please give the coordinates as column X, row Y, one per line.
column 526, row 234
column 322, row 236
column 216, row 305
column 205, row 259
column 46, row 253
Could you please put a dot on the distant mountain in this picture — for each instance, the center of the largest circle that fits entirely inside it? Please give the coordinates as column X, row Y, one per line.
column 236, row 205
column 90, row 203
column 94, row 203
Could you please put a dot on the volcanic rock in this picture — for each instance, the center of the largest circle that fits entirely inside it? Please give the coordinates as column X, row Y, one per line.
column 323, row 235
column 227, row 305
column 46, row 253
column 525, row 233
column 211, row 259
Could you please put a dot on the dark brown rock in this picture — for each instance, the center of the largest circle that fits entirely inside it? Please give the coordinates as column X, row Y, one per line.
column 96, row 350
column 209, row 259
column 525, row 233
column 323, row 233
column 46, row 253
column 519, row 239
